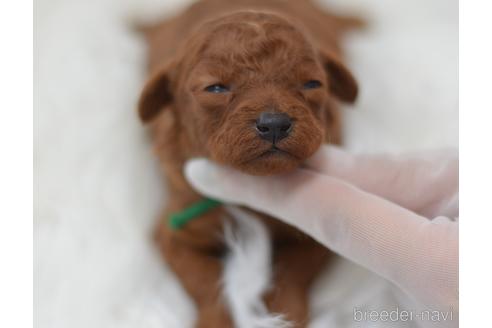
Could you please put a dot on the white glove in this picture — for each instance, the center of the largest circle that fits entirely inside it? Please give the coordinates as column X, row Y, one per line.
column 394, row 215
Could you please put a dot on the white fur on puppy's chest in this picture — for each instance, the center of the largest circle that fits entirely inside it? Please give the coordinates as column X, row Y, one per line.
column 248, row 272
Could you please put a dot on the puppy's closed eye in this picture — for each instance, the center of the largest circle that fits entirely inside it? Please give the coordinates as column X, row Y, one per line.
column 312, row 84
column 217, row 88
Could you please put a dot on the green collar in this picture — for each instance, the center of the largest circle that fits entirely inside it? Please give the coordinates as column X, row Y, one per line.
column 179, row 219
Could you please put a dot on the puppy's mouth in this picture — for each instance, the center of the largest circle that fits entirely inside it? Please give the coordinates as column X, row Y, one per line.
column 270, row 161
column 271, row 153
column 275, row 151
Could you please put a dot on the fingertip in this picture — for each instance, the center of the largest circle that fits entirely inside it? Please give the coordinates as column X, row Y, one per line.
column 194, row 166
column 211, row 179
column 199, row 172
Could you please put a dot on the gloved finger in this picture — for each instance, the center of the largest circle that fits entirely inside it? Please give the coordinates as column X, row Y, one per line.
column 426, row 183
column 409, row 250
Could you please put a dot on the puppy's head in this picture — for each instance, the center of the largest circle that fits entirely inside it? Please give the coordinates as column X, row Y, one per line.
column 250, row 91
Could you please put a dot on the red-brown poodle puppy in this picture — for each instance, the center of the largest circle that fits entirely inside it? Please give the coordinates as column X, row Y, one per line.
column 253, row 85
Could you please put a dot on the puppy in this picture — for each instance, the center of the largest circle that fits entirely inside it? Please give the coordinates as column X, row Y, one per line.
column 250, row 84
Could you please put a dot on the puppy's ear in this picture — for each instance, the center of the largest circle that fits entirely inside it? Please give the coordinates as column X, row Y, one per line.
column 341, row 82
column 155, row 96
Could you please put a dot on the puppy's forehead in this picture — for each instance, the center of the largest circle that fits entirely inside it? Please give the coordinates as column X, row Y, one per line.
column 254, row 38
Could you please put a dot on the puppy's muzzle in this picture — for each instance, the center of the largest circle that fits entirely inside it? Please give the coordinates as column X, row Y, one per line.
column 273, row 127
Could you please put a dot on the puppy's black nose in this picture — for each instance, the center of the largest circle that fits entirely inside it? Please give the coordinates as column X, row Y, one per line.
column 273, row 126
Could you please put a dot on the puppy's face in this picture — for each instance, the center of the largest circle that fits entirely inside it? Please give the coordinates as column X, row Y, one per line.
column 251, row 92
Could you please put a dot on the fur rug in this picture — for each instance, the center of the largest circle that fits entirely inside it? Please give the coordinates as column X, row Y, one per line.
column 97, row 186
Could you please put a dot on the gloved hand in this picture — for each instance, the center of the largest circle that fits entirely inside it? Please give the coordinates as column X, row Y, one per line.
column 394, row 215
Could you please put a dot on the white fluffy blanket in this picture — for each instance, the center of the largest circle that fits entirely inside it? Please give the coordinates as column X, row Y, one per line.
column 97, row 187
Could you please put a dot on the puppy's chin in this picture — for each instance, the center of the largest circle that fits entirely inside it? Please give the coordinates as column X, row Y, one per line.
column 270, row 163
